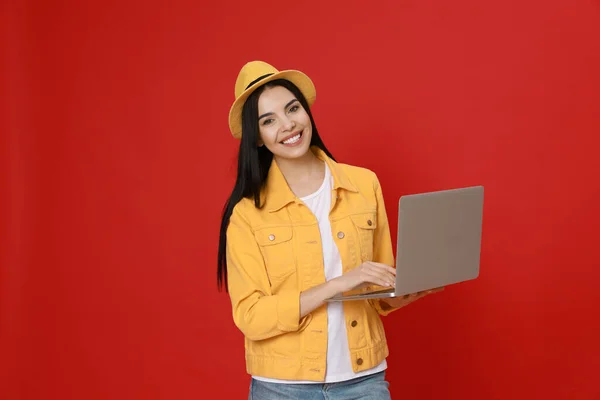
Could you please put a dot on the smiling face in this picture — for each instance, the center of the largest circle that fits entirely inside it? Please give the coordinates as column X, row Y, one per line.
column 284, row 125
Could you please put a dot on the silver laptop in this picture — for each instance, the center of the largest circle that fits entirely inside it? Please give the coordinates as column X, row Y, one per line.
column 439, row 242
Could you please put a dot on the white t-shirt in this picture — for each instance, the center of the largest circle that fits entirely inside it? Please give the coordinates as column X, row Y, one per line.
column 339, row 364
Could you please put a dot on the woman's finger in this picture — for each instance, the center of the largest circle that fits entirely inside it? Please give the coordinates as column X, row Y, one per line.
column 381, row 272
column 385, row 267
column 378, row 281
column 386, row 276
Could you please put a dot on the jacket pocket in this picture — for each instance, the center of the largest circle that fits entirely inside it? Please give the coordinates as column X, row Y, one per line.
column 365, row 224
column 277, row 248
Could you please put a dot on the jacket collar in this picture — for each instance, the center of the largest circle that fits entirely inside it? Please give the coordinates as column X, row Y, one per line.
column 278, row 193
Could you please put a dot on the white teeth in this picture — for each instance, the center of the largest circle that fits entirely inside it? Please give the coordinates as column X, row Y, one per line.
column 293, row 139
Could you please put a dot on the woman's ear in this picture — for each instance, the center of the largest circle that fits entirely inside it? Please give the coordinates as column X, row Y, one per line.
column 260, row 143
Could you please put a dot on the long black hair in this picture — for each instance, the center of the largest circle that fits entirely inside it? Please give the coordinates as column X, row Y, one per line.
column 253, row 165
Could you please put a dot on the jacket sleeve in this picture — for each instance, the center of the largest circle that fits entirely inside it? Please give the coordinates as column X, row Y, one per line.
column 382, row 245
column 257, row 312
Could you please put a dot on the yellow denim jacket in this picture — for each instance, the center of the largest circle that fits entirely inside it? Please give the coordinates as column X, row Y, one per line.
column 274, row 253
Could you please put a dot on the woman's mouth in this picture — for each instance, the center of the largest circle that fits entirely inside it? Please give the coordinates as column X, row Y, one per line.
column 293, row 140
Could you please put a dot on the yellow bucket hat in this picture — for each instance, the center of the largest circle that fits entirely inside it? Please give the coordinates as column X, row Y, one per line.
column 257, row 73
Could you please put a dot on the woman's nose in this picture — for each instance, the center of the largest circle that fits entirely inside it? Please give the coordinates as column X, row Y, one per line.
column 288, row 124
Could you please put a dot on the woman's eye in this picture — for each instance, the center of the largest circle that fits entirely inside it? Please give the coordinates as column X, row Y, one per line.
column 267, row 121
column 294, row 108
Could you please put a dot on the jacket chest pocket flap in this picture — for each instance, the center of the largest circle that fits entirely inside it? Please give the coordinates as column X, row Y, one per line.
column 365, row 225
column 276, row 246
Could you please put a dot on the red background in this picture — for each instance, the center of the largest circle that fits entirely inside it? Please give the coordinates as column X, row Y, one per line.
column 118, row 161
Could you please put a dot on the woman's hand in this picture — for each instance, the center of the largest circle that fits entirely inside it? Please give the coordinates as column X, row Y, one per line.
column 401, row 301
column 368, row 273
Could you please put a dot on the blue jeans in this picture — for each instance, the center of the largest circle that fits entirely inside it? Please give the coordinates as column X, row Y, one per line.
column 370, row 387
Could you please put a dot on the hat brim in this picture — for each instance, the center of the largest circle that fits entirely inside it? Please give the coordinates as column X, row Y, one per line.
column 301, row 80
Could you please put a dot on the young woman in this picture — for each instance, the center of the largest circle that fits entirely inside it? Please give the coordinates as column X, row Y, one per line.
column 298, row 229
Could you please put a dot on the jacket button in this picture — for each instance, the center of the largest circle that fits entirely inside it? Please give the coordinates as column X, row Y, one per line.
column 359, row 361
column 353, row 323
column 340, row 235
column 369, row 222
column 271, row 237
